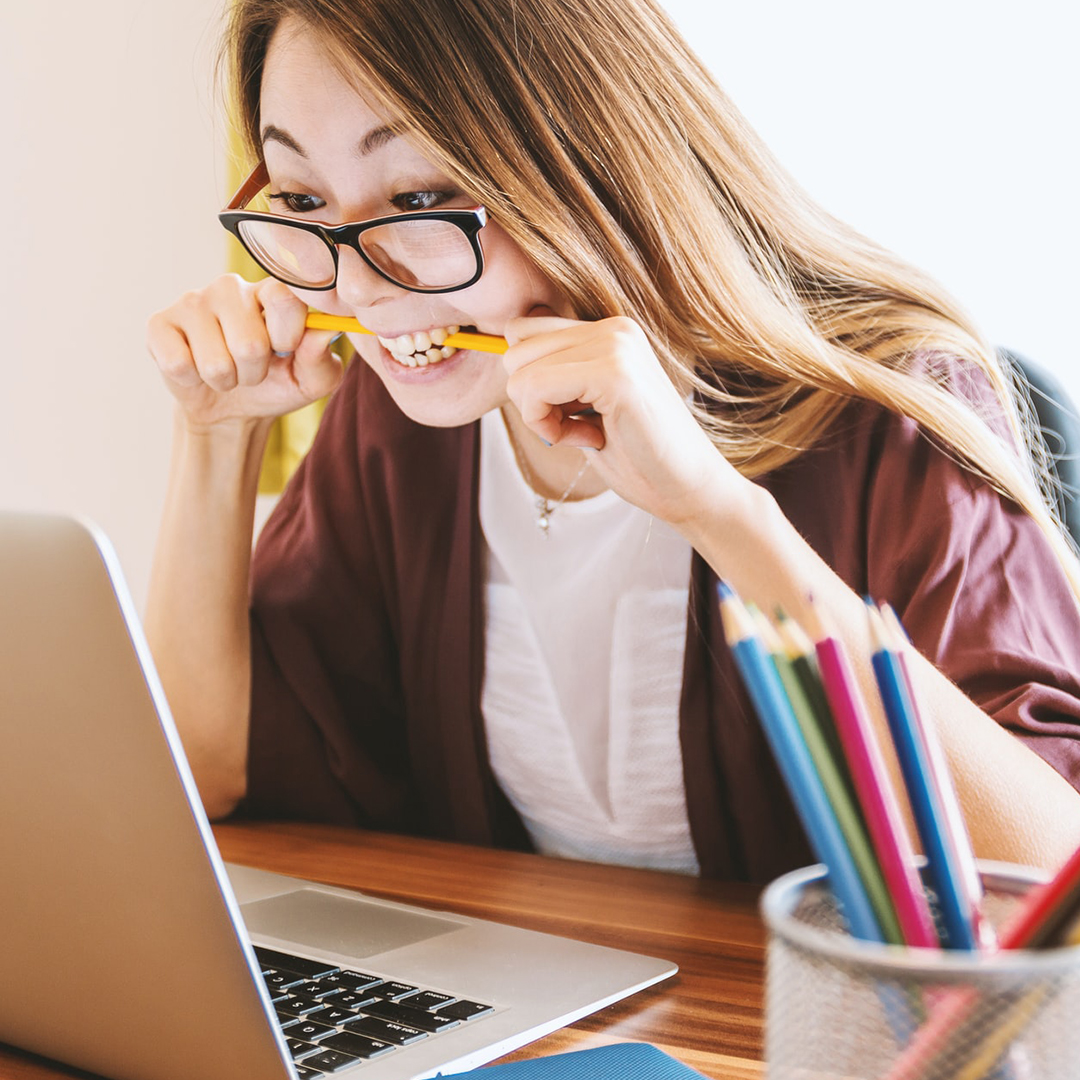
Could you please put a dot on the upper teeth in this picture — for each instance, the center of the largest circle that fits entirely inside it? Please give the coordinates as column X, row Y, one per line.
column 419, row 350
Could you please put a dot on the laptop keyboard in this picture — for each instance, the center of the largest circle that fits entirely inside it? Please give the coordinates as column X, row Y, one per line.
column 334, row 1018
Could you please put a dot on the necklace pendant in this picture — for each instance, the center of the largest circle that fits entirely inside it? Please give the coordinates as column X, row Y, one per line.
column 543, row 515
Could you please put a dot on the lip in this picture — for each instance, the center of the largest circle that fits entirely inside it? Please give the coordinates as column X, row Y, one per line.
column 413, row 330
column 400, row 373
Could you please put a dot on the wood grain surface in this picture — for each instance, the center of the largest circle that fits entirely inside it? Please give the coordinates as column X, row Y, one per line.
column 708, row 1016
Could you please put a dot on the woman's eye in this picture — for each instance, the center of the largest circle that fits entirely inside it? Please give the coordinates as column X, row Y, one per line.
column 409, row 201
column 296, row 203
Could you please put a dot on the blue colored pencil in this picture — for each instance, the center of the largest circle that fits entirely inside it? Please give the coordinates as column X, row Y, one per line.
column 945, row 870
column 941, row 779
column 789, row 749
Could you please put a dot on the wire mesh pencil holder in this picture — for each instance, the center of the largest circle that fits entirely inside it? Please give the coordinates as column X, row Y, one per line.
column 837, row 1008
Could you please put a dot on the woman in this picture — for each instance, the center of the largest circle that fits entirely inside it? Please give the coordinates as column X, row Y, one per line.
column 485, row 607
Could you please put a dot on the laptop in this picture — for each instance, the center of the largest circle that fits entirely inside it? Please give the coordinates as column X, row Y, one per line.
column 128, row 948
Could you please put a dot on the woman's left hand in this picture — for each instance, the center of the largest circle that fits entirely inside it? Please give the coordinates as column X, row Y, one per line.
column 647, row 445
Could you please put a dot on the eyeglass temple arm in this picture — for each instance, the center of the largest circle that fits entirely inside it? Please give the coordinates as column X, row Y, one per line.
column 250, row 187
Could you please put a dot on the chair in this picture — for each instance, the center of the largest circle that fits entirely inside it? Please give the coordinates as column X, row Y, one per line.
column 1059, row 423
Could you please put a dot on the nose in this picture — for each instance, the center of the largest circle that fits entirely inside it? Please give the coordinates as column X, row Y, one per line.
column 358, row 285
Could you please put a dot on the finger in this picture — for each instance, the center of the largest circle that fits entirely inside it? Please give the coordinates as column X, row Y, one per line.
column 585, row 430
column 285, row 316
column 555, row 400
column 243, row 327
column 169, row 348
column 212, row 357
column 316, row 370
column 540, row 320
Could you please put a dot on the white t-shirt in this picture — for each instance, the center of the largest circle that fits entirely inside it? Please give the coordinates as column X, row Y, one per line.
column 585, row 637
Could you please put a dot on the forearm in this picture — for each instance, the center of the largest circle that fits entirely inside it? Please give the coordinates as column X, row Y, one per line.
column 1016, row 806
column 197, row 607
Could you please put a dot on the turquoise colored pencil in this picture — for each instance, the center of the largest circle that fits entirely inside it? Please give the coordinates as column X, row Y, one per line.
column 793, row 759
column 848, row 817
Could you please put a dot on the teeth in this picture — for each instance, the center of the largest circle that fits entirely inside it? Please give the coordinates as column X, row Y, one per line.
column 421, row 349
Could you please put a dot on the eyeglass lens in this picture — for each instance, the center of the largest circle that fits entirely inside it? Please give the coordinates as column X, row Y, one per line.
column 417, row 254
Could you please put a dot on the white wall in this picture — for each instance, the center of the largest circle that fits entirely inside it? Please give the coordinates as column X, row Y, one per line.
column 108, row 187
column 945, row 128
column 949, row 130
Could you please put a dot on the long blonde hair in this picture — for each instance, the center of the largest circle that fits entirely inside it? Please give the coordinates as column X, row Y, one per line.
column 601, row 144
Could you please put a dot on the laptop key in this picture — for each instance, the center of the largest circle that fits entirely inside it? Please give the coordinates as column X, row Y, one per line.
column 465, row 1010
column 300, row 1049
column 281, row 980
column 297, row 1005
column 319, row 988
column 405, row 1014
column 357, row 1046
column 352, row 980
column 307, row 1074
column 385, row 1030
column 352, row 999
column 332, row 1014
column 428, row 999
column 309, row 1029
column 310, row 969
column 330, row 1061
column 393, row 990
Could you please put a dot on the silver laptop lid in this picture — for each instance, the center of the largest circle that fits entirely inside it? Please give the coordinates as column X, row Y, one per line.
column 92, row 785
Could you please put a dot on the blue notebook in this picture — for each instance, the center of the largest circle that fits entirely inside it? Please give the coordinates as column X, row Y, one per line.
column 622, row 1061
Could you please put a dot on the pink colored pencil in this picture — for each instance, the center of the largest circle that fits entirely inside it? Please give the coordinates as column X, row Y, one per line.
column 1041, row 921
column 875, row 792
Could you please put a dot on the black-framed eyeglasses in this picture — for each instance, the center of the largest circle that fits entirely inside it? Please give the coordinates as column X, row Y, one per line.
column 425, row 251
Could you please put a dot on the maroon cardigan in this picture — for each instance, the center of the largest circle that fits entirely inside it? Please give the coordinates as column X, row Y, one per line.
column 367, row 623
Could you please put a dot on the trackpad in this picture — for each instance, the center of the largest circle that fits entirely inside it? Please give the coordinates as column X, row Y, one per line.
column 340, row 924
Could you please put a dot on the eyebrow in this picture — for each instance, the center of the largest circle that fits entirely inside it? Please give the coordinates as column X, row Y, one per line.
column 372, row 141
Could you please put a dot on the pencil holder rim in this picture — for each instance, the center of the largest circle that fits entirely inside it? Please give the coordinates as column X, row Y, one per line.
column 780, row 898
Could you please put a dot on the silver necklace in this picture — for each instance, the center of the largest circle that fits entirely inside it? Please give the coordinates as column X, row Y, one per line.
column 544, row 506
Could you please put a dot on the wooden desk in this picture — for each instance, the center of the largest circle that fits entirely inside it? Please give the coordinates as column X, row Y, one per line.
column 708, row 1016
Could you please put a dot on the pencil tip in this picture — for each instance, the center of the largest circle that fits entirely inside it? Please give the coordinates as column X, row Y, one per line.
column 723, row 590
column 878, row 633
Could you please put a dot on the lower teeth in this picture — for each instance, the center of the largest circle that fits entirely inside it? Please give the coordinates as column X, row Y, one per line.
column 424, row 359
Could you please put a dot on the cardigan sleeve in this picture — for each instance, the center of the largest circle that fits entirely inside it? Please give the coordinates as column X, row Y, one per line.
column 979, row 589
column 326, row 739
column 976, row 583
column 982, row 594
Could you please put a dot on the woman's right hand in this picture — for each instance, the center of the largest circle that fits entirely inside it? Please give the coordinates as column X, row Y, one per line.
column 234, row 352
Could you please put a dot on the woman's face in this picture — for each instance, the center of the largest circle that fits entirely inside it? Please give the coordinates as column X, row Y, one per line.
column 331, row 158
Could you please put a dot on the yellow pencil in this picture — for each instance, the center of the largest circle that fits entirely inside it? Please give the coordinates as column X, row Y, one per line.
column 317, row 320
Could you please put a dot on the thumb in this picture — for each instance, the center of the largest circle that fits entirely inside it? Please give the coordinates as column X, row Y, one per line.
column 540, row 320
column 316, row 369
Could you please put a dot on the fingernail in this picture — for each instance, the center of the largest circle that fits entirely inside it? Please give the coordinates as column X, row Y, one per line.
column 283, row 355
column 544, row 441
column 337, row 337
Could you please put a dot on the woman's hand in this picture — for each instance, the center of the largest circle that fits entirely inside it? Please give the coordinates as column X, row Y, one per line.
column 647, row 445
column 236, row 352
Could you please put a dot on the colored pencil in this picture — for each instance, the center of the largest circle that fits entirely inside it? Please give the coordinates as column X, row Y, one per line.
column 800, row 651
column 877, row 797
column 318, row 320
column 1045, row 918
column 793, row 759
column 955, row 903
column 940, row 779
column 844, row 806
